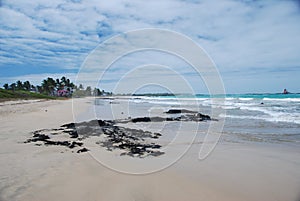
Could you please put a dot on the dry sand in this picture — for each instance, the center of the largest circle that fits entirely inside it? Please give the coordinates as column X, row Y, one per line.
column 231, row 172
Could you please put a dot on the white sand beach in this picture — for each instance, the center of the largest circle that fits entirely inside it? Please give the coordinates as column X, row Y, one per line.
column 233, row 171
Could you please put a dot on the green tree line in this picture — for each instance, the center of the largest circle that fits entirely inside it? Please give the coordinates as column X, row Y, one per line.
column 52, row 86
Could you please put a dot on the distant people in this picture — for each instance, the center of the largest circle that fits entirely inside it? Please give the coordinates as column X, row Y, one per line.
column 285, row 91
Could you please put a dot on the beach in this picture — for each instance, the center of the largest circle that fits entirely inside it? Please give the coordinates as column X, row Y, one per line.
column 240, row 167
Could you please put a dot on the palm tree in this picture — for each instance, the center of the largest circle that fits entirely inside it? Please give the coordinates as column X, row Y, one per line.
column 97, row 92
column 52, row 84
column 13, row 86
column 63, row 81
column 27, row 85
column 58, row 84
column 45, row 86
column 33, row 88
column 39, row 89
column 68, row 82
column 19, row 85
column 49, row 85
column 6, row 86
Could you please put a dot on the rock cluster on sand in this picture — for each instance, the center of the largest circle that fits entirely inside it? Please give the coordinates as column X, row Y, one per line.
column 130, row 141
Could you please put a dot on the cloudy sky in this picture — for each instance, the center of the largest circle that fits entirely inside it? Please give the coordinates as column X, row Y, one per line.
column 254, row 44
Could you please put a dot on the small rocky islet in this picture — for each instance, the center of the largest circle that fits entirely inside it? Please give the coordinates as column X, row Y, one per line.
column 131, row 142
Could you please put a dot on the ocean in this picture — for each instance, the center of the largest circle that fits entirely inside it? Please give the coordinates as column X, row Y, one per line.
column 270, row 118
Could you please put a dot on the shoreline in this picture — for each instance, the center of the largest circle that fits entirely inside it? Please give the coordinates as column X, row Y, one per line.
column 233, row 171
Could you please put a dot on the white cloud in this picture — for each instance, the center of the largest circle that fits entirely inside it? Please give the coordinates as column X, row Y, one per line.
column 240, row 36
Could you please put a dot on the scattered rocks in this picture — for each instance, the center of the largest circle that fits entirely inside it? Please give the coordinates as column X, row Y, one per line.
column 37, row 137
column 187, row 117
column 131, row 142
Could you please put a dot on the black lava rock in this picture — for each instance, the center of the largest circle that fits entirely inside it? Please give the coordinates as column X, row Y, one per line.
column 141, row 119
column 82, row 150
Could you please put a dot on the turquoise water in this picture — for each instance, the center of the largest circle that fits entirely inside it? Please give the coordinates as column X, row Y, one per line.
column 256, row 96
column 273, row 118
column 267, row 107
column 258, row 117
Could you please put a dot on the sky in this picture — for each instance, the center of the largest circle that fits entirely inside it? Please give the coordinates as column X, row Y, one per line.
column 254, row 44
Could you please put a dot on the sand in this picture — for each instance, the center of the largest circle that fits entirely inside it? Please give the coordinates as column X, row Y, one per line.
column 233, row 171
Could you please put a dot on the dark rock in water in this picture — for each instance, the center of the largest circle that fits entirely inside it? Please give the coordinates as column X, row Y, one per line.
column 141, row 119
column 173, row 118
column 148, row 119
column 188, row 115
column 157, row 119
column 178, row 111
column 82, row 150
column 174, row 111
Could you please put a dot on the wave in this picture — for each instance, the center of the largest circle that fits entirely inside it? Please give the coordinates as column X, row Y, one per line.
column 277, row 118
column 234, row 99
column 158, row 102
column 273, row 109
column 282, row 99
column 245, row 99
